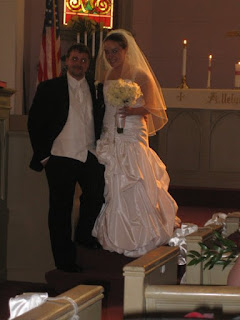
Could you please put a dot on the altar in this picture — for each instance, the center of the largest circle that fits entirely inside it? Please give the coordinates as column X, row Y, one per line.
column 200, row 144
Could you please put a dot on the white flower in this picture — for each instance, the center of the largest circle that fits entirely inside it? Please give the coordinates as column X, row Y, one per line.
column 96, row 83
column 121, row 93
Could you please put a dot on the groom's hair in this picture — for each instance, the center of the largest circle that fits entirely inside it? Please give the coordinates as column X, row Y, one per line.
column 80, row 47
column 119, row 38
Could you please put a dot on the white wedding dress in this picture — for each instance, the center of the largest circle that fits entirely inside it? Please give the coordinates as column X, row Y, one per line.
column 139, row 213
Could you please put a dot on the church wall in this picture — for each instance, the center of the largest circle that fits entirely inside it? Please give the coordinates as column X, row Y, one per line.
column 204, row 24
column 160, row 27
column 11, row 39
column 159, row 34
column 35, row 11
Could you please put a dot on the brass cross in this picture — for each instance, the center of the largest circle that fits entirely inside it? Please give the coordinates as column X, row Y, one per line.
column 233, row 33
column 180, row 96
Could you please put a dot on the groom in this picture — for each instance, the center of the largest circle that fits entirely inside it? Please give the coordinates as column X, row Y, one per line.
column 64, row 122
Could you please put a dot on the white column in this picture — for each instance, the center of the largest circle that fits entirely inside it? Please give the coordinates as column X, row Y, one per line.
column 11, row 38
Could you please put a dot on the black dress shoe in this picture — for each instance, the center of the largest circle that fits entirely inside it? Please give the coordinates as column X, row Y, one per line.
column 70, row 268
column 91, row 244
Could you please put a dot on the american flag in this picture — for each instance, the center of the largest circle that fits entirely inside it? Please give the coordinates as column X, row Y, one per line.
column 50, row 52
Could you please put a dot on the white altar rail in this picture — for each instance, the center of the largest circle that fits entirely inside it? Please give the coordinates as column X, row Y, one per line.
column 200, row 144
column 205, row 99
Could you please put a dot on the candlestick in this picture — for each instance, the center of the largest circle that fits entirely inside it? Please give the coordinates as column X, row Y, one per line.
column 184, row 85
column 184, row 65
column 237, row 75
column 209, row 71
column 85, row 38
column 78, row 37
column 93, row 44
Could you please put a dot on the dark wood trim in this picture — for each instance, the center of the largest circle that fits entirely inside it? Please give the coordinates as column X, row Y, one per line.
column 217, row 198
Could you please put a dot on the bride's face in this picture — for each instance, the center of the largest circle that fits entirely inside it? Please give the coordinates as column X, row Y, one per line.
column 114, row 53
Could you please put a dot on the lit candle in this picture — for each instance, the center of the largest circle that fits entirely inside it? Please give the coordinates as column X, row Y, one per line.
column 209, row 71
column 184, row 65
column 93, row 44
column 78, row 37
column 237, row 75
column 85, row 38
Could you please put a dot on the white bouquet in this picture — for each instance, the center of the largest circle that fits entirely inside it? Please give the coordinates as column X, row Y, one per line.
column 122, row 93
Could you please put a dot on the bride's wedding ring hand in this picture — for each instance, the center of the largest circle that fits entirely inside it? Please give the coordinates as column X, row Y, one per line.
column 125, row 111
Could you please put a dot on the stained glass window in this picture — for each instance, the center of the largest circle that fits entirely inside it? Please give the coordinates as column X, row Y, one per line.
column 99, row 10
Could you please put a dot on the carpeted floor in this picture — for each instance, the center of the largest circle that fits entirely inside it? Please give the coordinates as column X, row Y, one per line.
column 110, row 277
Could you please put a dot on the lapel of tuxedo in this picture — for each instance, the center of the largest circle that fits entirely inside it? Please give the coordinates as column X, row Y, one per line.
column 92, row 91
column 63, row 91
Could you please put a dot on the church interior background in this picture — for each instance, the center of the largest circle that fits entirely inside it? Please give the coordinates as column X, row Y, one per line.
column 199, row 146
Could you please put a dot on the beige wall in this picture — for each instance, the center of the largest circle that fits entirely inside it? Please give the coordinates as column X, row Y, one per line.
column 34, row 17
column 11, row 39
column 159, row 27
column 204, row 24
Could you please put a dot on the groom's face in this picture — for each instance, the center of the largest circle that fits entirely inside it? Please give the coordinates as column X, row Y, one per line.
column 77, row 64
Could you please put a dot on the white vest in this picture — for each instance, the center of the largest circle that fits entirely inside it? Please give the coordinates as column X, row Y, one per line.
column 77, row 136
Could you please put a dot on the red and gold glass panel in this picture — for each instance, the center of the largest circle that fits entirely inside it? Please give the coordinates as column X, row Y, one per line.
column 99, row 10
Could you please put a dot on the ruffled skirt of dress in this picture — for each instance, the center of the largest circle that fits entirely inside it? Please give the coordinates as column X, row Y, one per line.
column 139, row 213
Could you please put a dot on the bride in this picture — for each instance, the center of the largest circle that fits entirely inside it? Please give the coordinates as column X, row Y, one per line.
column 138, row 214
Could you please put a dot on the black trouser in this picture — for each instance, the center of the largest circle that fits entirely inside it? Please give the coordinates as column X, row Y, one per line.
column 62, row 175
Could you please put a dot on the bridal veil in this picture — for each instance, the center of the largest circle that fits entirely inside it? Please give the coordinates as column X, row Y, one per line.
column 137, row 69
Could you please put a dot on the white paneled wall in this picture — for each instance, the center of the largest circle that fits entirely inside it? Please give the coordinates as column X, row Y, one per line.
column 28, row 246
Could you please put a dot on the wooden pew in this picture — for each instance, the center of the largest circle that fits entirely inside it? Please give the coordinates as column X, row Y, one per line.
column 185, row 298
column 88, row 299
column 232, row 222
column 150, row 281
column 158, row 266
column 196, row 275
column 151, row 289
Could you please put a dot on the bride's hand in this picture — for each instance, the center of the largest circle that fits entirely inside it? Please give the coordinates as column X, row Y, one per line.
column 130, row 111
column 125, row 111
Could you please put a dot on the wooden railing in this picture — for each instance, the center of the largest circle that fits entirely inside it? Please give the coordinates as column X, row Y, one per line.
column 185, row 298
column 196, row 274
column 87, row 298
column 158, row 266
column 150, row 287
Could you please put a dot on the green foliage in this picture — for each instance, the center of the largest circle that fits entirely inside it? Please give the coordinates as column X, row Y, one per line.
column 78, row 24
column 222, row 252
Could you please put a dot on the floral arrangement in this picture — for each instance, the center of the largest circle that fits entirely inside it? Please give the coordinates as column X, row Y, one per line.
column 78, row 24
column 121, row 93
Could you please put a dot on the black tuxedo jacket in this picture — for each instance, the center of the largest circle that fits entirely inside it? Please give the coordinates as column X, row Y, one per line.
column 48, row 115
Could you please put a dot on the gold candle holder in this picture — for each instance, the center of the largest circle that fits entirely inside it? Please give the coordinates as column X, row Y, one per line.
column 183, row 85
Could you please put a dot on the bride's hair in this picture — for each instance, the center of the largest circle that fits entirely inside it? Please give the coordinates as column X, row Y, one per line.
column 137, row 69
column 119, row 38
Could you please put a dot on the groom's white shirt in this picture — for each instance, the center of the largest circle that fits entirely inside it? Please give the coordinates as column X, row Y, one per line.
column 77, row 136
